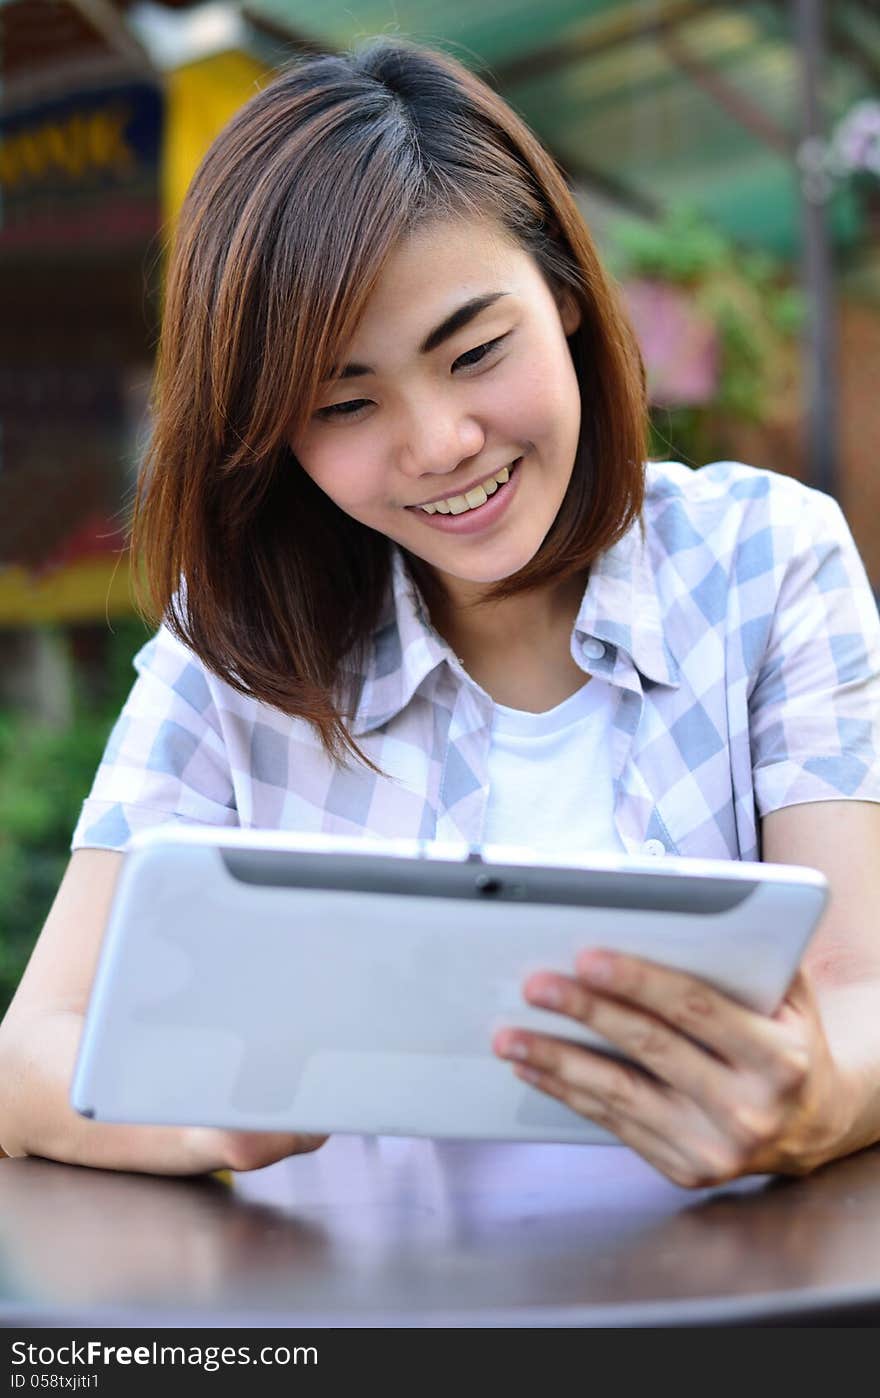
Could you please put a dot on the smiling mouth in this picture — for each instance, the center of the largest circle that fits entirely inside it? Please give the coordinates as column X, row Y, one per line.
column 471, row 499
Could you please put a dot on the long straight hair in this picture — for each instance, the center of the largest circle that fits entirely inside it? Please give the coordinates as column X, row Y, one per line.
column 282, row 237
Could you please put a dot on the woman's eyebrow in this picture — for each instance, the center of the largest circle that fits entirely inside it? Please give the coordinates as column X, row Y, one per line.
column 444, row 331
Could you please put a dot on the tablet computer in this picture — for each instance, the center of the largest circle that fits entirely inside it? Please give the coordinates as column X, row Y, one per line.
column 262, row 980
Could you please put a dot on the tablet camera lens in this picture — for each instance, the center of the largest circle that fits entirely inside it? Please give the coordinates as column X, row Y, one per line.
column 488, row 886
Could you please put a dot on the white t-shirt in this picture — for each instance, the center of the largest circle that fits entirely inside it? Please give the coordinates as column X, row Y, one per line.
column 550, row 777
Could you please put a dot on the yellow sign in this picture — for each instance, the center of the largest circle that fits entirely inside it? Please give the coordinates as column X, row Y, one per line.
column 69, row 144
column 200, row 99
column 88, row 589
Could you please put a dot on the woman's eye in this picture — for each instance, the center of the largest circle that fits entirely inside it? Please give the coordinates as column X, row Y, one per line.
column 354, row 406
column 346, row 410
column 481, row 351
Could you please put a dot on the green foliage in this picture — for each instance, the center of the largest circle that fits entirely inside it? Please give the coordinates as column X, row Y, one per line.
column 681, row 247
column 746, row 295
column 44, row 776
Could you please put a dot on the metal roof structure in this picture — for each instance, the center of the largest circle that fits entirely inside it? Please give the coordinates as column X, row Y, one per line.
column 647, row 103
column 732, row 107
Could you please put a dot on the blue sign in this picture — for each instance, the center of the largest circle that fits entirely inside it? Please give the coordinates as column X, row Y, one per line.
column 78, row 156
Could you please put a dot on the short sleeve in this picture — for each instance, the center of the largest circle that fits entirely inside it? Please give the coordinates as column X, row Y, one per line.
column 165, row 759
column 815, row 706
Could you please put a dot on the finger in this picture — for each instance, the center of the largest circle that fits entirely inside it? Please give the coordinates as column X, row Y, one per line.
column 667, row 1053
column 799, row 999
column 653, row 1147
column 626, row 1092
column 739, row 1036
column 655, row 1119
column 254, row 1150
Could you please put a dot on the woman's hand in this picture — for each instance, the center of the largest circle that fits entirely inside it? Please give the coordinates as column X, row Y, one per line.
column 715, row 1091
column 204, row 1149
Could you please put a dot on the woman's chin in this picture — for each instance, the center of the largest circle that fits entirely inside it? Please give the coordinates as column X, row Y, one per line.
column 484, row 571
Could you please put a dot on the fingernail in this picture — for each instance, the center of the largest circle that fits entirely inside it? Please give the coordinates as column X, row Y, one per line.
column 549, row 995
column 596, row 967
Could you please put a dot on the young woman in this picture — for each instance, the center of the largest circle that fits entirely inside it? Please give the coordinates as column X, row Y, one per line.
column 416, row 579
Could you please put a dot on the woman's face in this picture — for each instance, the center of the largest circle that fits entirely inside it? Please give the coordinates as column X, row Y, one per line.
column 438, row 394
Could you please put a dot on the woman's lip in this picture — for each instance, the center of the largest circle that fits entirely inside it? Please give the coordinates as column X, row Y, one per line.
column 475, row 521
column 491, row 476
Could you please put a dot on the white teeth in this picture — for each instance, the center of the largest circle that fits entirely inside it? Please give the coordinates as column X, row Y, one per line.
column 457, row 504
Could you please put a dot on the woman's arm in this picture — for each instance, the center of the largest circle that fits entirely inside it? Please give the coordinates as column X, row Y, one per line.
column 842, row 839
column 39, row 1039
column 728, row 1092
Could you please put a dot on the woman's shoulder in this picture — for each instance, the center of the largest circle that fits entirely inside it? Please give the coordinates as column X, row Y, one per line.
column 743, row 543
column 173, row 674
column 717, row 484
column 166, row 657
column 722, row 505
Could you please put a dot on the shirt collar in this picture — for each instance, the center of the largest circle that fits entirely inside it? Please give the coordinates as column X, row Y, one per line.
column 405, row 650
column 620, row 607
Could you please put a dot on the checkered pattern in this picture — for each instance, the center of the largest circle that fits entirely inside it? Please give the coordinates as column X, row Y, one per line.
column 740, row 636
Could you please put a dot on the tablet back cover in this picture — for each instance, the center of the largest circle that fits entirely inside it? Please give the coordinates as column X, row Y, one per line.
column 226, row 1003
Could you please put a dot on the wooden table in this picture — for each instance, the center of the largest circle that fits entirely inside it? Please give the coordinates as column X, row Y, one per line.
column 384, row 1232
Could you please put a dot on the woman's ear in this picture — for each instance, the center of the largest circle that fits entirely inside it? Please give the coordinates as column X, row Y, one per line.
column 569, row 312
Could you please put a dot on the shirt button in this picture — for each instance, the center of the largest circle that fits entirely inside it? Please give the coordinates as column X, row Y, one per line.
column 593, row 649
column 653, row 847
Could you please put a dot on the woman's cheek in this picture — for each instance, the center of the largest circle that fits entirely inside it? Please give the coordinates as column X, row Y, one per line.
column 344, row 476
column 535, row 400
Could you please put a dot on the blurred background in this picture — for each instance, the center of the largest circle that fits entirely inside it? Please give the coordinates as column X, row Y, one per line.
column 725, row 155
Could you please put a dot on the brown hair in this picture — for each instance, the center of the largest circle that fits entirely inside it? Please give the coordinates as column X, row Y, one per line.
column 281, row 239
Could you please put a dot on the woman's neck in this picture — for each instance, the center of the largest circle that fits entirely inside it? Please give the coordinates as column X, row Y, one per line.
column 466, row 622
column 518, row 650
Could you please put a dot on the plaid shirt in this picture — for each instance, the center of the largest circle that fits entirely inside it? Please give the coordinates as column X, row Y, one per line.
column 740, row 636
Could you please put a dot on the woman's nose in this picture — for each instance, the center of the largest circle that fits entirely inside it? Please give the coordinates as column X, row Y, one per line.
column 437, row 438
